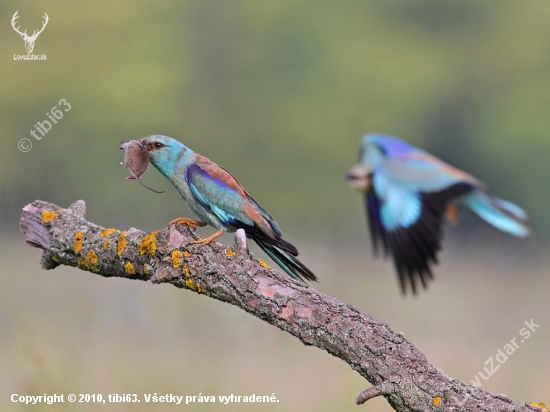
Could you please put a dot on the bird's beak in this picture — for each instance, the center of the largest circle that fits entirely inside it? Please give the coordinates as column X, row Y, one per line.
column 359, row 177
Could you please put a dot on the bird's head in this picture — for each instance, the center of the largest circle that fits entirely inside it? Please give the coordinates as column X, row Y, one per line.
column 164, row 152
column 377, row 147
column 372, row 153
column 374, row 149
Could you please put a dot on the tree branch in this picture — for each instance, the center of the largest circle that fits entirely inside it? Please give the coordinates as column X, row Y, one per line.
column 396, row 368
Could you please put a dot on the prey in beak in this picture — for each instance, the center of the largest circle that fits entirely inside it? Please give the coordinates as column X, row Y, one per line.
column 359, row 177
column 136, row 159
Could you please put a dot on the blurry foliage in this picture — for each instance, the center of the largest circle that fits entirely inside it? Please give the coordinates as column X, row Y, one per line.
column 277, row 92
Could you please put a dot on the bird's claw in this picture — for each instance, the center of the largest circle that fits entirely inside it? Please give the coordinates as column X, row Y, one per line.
column 186, row 221
column 207, row 240
column 452, row 214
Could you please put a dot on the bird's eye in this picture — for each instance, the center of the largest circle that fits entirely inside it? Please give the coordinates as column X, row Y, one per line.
column 158, row 145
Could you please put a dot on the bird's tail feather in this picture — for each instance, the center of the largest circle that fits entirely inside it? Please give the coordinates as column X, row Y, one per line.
column 287, row 262
column 502, row 214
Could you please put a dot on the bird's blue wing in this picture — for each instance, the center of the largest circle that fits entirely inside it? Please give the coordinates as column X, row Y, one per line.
column 219, row 193
column 223, row 196
column 216, row 196
column 409, row 222
column 422, row 172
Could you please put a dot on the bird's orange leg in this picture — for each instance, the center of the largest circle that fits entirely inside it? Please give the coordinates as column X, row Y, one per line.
column 186, row 221
column 208, row 239
column 452, row 214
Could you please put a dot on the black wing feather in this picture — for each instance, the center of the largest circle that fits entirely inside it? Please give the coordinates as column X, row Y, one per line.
column 414, row 248
column 281, row 251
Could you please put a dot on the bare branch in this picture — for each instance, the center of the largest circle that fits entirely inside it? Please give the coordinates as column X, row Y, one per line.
column 373, row 392
column 396, row 368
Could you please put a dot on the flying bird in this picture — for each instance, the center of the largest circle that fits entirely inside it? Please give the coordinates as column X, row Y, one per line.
column 408, row 193
column 215, row 196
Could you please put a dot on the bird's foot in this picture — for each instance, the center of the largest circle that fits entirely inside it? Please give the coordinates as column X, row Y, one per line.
column 186, row 221
column 207, row 240
column 452, row 214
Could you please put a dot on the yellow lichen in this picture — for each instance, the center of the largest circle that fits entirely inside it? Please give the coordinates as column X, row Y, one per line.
column 186, row 271
column 177, row 259
column 145, row 270
column 261, row 262
column 107, row 232
column 149, row 244
column 190, row 284
column 107, row 245
column 230, row 253
column 194, row 286
column 55, row 259
column 436, row 401
column 92, row 257
column 48, row 216
column 540, row 405
column 78, row 241
column 186, row 253
column 130, row 268
column 82, row 264
column 121, row 243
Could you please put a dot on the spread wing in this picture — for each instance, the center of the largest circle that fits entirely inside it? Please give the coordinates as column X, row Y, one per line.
column 406, row 205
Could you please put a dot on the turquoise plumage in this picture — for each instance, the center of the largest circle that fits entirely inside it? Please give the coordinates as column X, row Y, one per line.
column 219, row 200
column 408, row 192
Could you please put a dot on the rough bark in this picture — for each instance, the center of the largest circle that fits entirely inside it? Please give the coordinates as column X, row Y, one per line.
column 395, row 367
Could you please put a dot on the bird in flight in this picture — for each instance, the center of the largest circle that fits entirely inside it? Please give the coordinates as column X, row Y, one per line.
column 215, row 196
column 408, row 192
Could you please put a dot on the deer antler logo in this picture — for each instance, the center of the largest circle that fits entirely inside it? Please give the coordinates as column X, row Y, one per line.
column 29, row 40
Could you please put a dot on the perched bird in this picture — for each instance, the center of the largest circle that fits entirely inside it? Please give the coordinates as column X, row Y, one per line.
column 219, row 200
column 408, row 192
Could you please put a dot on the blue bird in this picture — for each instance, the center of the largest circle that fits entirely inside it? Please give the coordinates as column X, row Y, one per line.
column 219, row 200
column 408, row 192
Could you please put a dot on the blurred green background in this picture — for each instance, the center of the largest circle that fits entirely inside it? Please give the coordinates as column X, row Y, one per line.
column 279, row 93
